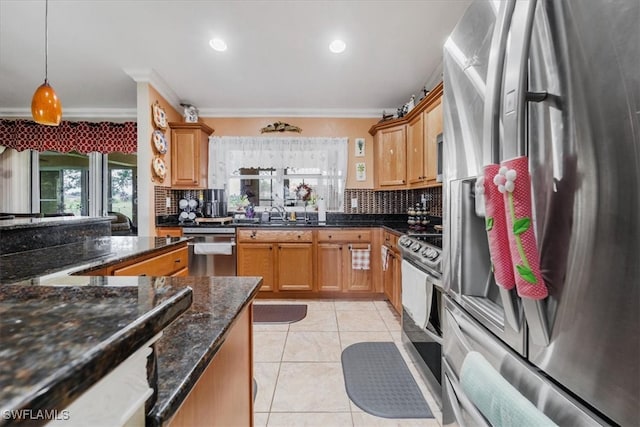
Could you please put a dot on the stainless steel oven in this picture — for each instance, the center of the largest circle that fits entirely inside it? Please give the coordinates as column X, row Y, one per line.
column 422, row 308
column 212, row 251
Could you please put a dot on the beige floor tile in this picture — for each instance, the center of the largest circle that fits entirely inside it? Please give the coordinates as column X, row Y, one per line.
column 310, row 387
column 354, row 305
column 268, row 346
column 385, row 308
column 309, row 346
column 270, row 327
column 266, row 375
column 318, row 321
column 348, row 338
column 354, row 407
column 362, row 419
column 393, row 324
column 317, row 305
column 360, row 320
column 396, row 335
column 310, row 419
column 260, row 419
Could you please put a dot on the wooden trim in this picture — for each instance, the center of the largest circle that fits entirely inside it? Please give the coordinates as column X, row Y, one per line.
column 342, row 296
column 183, row 125
column 435, row 94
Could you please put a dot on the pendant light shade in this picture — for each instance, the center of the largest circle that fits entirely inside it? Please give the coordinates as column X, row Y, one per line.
column 46, row 108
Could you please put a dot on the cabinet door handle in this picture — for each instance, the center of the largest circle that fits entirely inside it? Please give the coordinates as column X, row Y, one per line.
column 178, row 260
column 299, row 236
column 329, row 235
column 359, row 237
column 270, row 248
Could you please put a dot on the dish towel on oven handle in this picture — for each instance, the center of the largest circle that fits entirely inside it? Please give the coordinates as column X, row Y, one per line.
column 385, row 257
column 514, row 182
column 416, row 294
column 360, row 259
column 496, row 226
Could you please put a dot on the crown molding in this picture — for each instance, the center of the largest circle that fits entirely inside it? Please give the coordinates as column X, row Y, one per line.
column 150, row 76
column 294, row 112
column 89, row 114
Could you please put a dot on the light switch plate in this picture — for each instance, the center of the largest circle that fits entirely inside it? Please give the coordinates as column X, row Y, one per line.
column 168, row 202
column 354, row 202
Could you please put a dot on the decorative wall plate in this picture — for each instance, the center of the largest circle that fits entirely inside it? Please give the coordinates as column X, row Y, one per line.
column 159, row 116
column 159, row 168
column 159, row 141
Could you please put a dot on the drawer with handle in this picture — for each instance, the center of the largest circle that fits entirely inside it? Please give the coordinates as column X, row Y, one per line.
column 160, row 265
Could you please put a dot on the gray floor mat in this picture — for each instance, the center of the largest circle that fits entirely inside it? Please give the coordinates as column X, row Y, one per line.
column 278, row 313
column 380, row 383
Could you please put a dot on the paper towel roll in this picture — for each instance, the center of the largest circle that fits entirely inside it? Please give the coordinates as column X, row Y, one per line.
column 322, row 210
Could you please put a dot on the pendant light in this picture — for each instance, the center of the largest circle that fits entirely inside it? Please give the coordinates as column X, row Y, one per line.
column 46, row 108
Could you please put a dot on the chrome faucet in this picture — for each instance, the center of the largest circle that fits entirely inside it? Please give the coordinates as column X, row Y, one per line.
column 281, row 211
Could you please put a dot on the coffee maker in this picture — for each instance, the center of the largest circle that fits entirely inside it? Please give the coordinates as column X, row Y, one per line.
column 215, row 203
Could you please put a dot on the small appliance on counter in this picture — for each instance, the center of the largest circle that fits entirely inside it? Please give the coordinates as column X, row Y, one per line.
column 215, row 203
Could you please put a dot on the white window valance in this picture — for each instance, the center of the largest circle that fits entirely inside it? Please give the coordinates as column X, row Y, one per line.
column 228, row 154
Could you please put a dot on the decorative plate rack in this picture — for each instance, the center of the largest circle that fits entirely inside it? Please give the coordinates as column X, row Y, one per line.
column 159, row 141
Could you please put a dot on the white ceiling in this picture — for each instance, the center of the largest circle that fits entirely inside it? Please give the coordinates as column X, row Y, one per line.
column 278, row 61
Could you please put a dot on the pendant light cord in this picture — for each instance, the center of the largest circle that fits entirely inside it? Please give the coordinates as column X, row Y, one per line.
column 46, row 39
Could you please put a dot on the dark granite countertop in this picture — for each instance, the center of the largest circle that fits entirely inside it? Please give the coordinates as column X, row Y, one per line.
column 16, row 223
column 90, row 253
column 59, row 340
column 190, row 343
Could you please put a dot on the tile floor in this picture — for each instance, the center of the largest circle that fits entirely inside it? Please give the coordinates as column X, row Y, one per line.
column 298, row 370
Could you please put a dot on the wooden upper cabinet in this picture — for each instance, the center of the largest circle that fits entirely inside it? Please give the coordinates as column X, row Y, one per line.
column 433, row 127
column 189, row 154
column 415, row 150
column 392, row 157
column 407, row 149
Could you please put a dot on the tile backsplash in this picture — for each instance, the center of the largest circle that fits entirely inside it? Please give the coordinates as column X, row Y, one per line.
column 369, row 201
column 394, row 201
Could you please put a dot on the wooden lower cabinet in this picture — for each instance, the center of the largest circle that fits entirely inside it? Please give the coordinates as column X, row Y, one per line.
column 169, row 231
column 257, row 259
column 172, row 261
column 392, row 276
column 334, row 260
column 223, row 396
column 392, row 279
column 295, row 266
column 283, row 258
column 330, row 271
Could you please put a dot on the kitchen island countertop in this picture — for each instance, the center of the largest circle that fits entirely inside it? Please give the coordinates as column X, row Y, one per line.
column 59, row 340
column 190, row 343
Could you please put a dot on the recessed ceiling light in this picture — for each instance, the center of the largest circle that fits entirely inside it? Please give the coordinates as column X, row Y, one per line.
column 337, row 46
column 218, row 44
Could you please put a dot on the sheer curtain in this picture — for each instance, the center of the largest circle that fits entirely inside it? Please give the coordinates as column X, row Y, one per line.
column 228, row 154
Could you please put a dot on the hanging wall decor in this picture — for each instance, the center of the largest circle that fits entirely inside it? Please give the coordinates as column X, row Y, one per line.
column 280, row 127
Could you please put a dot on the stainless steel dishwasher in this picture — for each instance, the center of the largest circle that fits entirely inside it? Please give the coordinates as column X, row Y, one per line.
column 212, row 251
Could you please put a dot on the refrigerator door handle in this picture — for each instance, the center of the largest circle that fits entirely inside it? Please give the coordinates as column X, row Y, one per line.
column 495, row 70
column 515, row 99
column 491, row 125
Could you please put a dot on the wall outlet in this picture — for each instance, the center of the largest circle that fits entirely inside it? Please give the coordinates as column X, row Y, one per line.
column 168, row 202
column 354, row 202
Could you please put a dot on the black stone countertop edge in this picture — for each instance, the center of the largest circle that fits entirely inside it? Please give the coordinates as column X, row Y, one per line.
column 165, row 408
column 66, row 384
column 17, row 223
column 75, row 259
column 113, row 259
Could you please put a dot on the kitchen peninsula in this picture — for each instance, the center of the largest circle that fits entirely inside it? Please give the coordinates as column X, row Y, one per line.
column 64, row 335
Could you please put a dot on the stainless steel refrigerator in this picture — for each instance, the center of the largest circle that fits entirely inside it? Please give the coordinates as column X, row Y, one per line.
column 557, row 81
